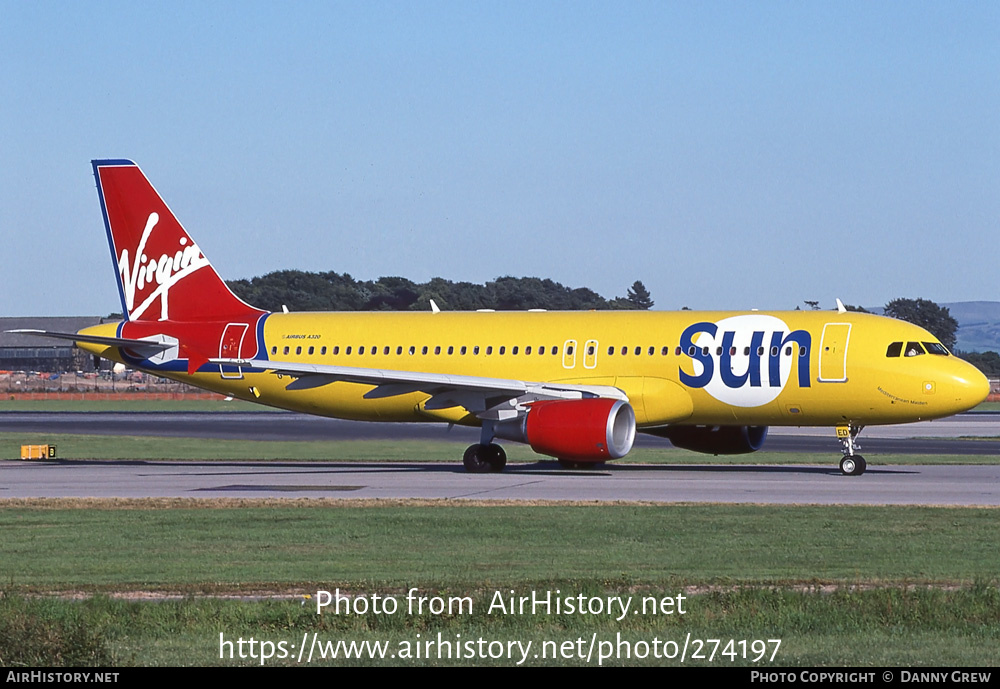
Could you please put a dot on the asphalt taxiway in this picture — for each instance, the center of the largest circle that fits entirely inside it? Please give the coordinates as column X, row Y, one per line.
column 713, row 481
column 889, row 485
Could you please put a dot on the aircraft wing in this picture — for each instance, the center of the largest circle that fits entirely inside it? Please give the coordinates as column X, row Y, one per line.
column 487, row 398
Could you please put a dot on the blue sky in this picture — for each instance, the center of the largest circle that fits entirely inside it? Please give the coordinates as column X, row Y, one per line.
column 730, row 155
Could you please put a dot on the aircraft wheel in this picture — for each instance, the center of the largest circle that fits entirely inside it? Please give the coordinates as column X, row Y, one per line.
column 860, row 465
column 475, row 461
column 853, row 465
column 484, row 459
column 496, row 457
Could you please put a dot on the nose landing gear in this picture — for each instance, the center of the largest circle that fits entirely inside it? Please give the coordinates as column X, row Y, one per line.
column 852, row 464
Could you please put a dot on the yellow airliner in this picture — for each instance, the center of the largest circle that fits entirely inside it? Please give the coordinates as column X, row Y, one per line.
column 573, row 385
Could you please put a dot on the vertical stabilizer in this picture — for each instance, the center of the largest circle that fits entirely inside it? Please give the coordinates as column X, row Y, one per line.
column 162, row 274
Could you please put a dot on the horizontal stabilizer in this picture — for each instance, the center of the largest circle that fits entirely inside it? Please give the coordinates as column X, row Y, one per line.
column 148, row 345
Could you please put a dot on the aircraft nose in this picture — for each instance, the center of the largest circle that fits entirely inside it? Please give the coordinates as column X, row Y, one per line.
column 970, row 386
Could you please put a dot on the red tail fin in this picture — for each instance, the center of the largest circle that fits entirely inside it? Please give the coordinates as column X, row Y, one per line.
column 162, row 274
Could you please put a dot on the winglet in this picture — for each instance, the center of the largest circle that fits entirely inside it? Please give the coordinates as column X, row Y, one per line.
column 434, row 307
column 840, row 307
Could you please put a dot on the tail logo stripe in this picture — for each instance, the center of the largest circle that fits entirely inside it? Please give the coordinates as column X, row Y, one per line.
column 165, row 271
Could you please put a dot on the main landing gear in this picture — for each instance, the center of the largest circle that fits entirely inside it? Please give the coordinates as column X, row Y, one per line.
column 484, row 459
column 852, row 464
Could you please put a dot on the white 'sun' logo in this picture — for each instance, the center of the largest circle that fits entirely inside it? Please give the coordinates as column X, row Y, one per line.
column 744, row 361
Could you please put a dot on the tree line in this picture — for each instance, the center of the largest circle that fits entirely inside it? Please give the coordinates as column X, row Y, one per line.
column 304, row 291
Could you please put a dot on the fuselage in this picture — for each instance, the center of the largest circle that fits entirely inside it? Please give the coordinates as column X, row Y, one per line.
column 815, row 368
column 572, row 385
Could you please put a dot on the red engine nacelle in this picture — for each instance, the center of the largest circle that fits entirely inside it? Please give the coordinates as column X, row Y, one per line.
column 591, row 430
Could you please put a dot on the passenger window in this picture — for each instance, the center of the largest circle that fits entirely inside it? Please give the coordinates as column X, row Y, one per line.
column 514, row 351
column 336, row 350
column 503, row 350
column 298, row 350
column 527, row 350
column 322, row 352
column 638, row 351
column 386, row 350
column 274, row 350
column 489, row 350
column 347, row 351
column 285, row 351
column 663, row 352
column 311, row 350
column 437, row 350
column 894, row 349
column 399, row 350
column 451, row 349
column 611, row 350
column 590, row 350
column 361, row 349
column 423, row 350
column 555, row 350
column 413, row 350
column 624, row 351
column 462, row 350
column 475, row 350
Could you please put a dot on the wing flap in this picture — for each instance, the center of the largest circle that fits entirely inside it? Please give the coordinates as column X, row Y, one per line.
column 485, row 397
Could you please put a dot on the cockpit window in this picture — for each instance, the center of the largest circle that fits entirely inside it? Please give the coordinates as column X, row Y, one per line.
column 935, row 348
column 894, row 349
column 914, row 349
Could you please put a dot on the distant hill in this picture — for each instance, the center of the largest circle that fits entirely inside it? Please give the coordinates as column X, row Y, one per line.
column 978, row 325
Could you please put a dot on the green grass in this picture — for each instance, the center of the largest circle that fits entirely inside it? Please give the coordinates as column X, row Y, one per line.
column 839, row 586
column 910, row 586
column 911, row 628
column 324, row 542
column 70, row 447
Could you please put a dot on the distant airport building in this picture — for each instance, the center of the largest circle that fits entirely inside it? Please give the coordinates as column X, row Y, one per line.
column 33, row 353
